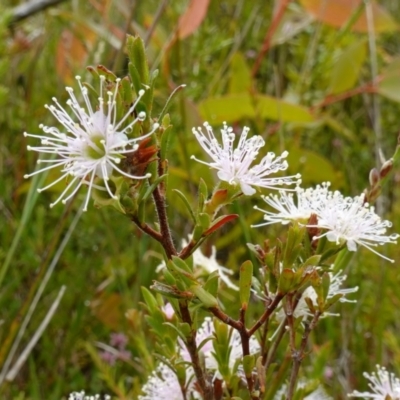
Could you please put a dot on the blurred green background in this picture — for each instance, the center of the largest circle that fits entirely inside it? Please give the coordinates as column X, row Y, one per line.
column 319, row 78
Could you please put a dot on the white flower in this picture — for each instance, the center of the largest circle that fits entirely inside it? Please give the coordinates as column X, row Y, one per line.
column 206, row 331
column 168, row 311
column 81, row 396
column 345, row 219
column 317, row 394
column 234, row 165
column 384, row 386
column 93, row 143
column 208, row 264
column 163, row 384
column 308, row 200
column 355, row 222
column 336, row 282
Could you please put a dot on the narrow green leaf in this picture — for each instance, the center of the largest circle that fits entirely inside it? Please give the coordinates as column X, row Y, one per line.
column 151, row 188
column 137, row 56
column 286, row 281
column 248, row 364
column 183, row 331
column 149, row 299
column 203, row 194
column 181, row 264
column 204, row 220
column 206, row 298
column 186, row 203
column 164, row 142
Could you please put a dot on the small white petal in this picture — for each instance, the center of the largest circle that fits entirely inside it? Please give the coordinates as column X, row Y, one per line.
column 345, row 219
column 383, row 385
column 94, row 143
column 235, row 165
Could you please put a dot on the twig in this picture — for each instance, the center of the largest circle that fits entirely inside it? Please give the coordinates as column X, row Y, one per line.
column 370, row 87
column 298, row 355
column 147, row 229
column 268, row 37
column 167, row 242
column 157, row 17
column 194, row 354
column 28, row 9
column 269, row 310
column 218, row 313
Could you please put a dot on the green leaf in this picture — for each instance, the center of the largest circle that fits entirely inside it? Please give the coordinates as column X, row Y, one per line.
column 207, row 299
column 164, row 142
column 204, row 220
column 211, row 284
column 149, row 299
column 203, row 194
column 346, row 69
column 183, row 330
column 248, row 364
column 312, row 165
column 137, row 56
column 246, row 275
column 152, row 187
column 312, row 261
column 181, row 264
column 235, row 107
column 286, row 280
column 293, row 245
column 240, row 75
column 186, row 203
column 389, row 84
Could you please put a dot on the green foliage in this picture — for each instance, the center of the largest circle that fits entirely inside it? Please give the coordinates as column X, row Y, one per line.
column 316, row 94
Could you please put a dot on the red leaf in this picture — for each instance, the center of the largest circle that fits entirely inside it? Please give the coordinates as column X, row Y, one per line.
column 337, row 12
column 219, row 223
column 192, row 18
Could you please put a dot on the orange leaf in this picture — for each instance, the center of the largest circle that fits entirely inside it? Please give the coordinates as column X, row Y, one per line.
column 72, row 52
column 337, row 12
column 192, row 18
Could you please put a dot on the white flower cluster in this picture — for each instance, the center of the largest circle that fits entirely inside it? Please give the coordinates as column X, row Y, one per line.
column 235, row 165
column 336, row 282
column 345, row 219
column 207, row 264
column 93, row 144
column 163, row 382
column 383, row 384
column 318, row 394
column 82, row 396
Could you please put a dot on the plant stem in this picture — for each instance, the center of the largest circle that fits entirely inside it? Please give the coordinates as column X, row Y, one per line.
column 298, row 355
column 191, row 346
column 270, row 33
column 147, row 229
column 269, row 310
column 166, row 238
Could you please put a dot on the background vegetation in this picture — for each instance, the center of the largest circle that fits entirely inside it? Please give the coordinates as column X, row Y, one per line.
column 319, row 78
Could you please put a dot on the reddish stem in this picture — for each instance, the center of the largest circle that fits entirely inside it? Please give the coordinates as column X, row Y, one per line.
column 270, row 33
